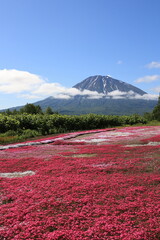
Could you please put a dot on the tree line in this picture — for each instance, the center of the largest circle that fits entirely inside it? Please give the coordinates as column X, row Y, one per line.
column 55, row 123
column 30, row 109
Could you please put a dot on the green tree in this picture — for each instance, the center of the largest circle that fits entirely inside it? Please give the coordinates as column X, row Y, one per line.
column 31, row 109
column 14, row 112
column 148, row 116
column 156, row 111
column 8, row 112
column 49, row 111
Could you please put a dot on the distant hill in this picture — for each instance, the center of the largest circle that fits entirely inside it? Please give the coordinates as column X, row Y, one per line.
column 106, row 104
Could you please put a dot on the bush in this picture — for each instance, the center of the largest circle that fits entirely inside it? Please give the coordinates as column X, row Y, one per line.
column 156, row 111
column 28, row 133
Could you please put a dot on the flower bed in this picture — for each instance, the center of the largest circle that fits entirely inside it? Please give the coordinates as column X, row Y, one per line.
column 98, row 190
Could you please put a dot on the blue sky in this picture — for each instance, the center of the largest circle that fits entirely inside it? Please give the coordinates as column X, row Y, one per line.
column 47, row 46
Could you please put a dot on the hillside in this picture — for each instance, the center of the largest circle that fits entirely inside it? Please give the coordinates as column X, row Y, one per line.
column 82, row 105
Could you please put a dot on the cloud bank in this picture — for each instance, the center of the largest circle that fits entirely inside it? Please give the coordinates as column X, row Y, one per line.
column 58, row 91
column 32, row 86
column 131, row 95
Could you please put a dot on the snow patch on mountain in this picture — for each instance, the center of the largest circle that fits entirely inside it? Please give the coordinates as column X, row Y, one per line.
column 106, row 84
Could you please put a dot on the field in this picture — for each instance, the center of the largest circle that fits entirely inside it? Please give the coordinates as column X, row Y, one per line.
column 97, row 184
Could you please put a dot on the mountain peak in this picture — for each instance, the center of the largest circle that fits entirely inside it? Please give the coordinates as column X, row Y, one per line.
column 106, row 84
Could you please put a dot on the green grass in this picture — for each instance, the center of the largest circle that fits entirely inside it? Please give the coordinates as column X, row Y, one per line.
column 153, row 123
column 15, row 136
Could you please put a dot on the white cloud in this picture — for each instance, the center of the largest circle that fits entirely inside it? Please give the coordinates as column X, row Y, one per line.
column 153, row 65
column 14, row 81
column 28, row 96
column 95, row 96
column 58, row 91
column 117, row 93
column 31, row 86
column 131, row 95
column 62, row 96
column 146, row 97
column 148, row 79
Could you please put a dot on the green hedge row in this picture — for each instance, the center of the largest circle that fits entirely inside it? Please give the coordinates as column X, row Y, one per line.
column 46, row 124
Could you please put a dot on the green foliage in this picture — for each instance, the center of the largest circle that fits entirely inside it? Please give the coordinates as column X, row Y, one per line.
column 8, row 112
column 156, row 111
column 49, row 111
column 46, row 124
column 133, row 119
column 31, row 109
column 28, row 133
column 153, row 123
column 17, row 136
column 8, row 123
column 148, row 116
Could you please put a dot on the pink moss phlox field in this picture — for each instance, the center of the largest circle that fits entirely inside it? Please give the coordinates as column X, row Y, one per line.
column 98, row 190
column 131, row 134
column 152, row 139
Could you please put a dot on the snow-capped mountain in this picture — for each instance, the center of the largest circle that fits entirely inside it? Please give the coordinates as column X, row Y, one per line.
column 106, row 84
column 107, row 103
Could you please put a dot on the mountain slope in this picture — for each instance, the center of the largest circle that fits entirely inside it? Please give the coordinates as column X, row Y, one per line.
column 83, row 105
column 106, row 84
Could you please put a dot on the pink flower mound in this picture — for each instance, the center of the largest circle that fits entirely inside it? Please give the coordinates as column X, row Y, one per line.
column 152, row 139
column 106, row 192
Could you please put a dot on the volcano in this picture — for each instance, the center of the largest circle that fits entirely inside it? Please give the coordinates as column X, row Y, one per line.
column 110, row 97
column 106, row 84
